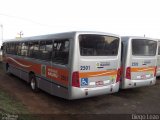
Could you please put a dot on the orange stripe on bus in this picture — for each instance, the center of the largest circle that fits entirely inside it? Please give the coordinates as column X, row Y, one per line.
column 142, row 69
column 61, row 75
column 57, row 74
column 96, row 74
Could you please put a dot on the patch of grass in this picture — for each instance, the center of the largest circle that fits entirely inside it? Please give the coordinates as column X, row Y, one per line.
column 10, row 106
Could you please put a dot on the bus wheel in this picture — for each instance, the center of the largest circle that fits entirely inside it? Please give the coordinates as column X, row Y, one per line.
column 33, row 83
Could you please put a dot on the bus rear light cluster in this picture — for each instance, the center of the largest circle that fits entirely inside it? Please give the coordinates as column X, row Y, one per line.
column 128, row 73
column 118, row 75
column 75, row 79
column 155, row 71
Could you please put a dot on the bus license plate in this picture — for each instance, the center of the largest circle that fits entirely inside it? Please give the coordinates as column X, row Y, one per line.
column 143, row 76
column 98, row 83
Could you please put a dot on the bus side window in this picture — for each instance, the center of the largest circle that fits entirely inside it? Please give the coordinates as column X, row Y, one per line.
column 7, row 47
column 17, row 48
column 33, row 49
column 10, row 48
column 61, row 51
column 24, row 49
column 45, row 50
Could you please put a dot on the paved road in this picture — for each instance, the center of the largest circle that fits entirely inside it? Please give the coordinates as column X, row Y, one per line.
column 139, row 100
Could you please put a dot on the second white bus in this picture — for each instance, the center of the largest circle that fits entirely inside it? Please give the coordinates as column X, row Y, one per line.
column 139, row 57
column 158, row 60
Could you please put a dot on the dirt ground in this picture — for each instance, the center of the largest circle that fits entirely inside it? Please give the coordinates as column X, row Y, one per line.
column 132, row 101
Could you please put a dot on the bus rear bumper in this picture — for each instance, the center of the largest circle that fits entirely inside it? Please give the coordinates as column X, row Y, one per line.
column 137, row 83
column 77, row 93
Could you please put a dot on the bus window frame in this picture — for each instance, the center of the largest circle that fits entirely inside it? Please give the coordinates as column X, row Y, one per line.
column 49, row 60
column 141, row 54
column 53, row 53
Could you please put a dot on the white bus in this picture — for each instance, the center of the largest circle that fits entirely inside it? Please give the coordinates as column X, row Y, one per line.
column 139, row 57
column 70, row 65
column 158, row 60
column 0, row 55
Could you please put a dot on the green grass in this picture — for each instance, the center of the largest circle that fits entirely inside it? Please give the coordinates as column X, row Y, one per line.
column 10, row 106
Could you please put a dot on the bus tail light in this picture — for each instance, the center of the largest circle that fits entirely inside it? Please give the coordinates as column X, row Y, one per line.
column 128, row 73
column 118, row 75
column 155, row 71
column 75, row 79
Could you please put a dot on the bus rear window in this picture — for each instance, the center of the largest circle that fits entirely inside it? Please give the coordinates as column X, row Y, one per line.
column 143, row 47
column 98, row 45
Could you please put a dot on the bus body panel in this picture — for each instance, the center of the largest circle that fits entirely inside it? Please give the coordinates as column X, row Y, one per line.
column 99, row 80
column 77, row 93
column 56, row 79
column 103, row 70
column 97, row 74
column 142, row 68
column 48, row 81
column 158, row 60
column 158, row 66
column 141, row 75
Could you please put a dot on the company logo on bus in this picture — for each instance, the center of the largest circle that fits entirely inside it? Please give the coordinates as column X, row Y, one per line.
column 102, row 64
column 147, row 62
column 52, row 73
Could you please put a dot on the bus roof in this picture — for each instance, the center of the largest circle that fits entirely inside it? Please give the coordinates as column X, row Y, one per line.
column 58, row 35
column 136, row 37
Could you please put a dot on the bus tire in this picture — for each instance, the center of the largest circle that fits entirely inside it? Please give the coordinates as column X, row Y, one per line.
column 33, row 83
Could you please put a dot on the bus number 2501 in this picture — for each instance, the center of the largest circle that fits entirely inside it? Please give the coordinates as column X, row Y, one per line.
column 85, row 68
